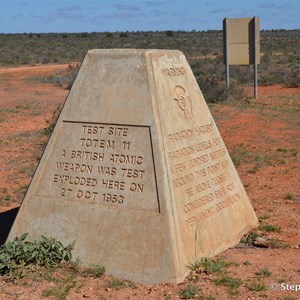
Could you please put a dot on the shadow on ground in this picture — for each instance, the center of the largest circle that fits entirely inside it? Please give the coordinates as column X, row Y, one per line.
column 6, row 221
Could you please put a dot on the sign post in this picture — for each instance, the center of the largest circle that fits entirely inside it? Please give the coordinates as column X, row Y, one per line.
column 241, row 39
column 226, row 55
column 255, row 58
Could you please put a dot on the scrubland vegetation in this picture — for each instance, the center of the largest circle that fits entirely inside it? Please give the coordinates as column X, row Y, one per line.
column 280, row 54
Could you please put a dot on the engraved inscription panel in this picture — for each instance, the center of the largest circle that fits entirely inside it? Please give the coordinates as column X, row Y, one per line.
column 201, row 171
column 205, row 185
column 104, row 164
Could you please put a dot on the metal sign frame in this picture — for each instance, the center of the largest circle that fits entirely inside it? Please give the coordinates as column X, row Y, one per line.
column 241, row 38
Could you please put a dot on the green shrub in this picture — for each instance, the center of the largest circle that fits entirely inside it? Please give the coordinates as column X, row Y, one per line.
column 123, row 34
column 209, row 265
column 109, row 34
column 17, row 256
column 256, row 287
column 231, row 283
column 289, row 196
column 212, row 90
column 291, row 77
column 249, row 238
column 169, row 33
column 96, row 270
column 189, row 292
column 210, row 75
column 119, row 284
column 269, row 228
column 242, row 74
column 66, row 78
column 264, row 272
column 196, row 265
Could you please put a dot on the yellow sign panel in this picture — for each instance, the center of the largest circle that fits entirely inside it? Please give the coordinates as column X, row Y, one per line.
column 242, row 54
column 239, row 35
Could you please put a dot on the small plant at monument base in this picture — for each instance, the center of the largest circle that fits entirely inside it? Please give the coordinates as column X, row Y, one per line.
column 76, row 266
column 214, row 266
column 269, row 228
column 195, row 266
column 96, row 270
column 208, row 266
column 19, row 256
column 188, row 292
column 196, row 270
column 119, row 284
column 63, row 281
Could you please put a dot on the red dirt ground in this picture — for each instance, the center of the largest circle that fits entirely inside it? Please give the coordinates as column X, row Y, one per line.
column 263, row 137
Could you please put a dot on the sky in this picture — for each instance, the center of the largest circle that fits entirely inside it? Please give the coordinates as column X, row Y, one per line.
column 43, row 16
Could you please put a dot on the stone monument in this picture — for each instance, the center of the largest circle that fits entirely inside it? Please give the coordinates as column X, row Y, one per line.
column 136, row 171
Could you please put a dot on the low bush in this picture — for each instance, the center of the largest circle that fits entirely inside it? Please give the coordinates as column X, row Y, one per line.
column 210, row 75
column 189, row 292
column 291, row 77
column 17, row 257
column 65, row 79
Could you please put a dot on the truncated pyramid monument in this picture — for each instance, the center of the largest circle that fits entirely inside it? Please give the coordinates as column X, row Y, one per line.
column 136, row 171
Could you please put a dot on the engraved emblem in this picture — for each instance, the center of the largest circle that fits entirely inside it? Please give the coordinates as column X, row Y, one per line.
column 183, row 101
